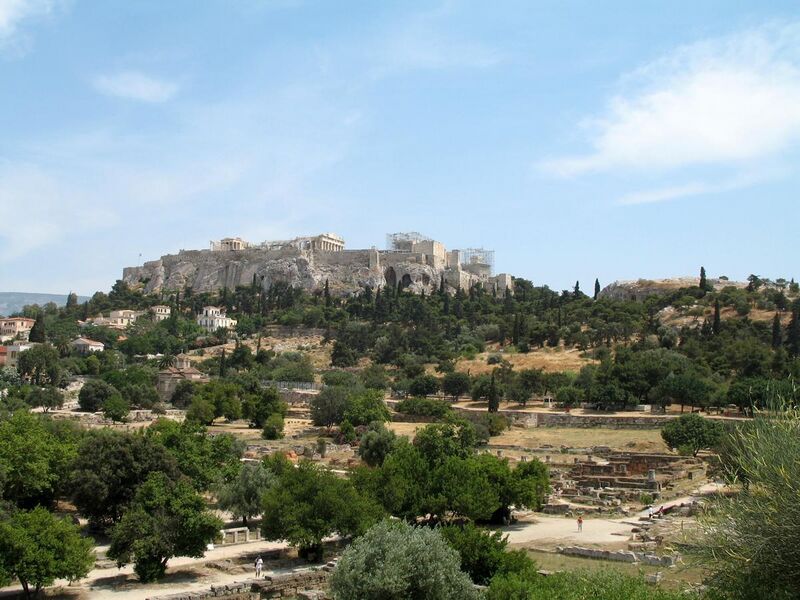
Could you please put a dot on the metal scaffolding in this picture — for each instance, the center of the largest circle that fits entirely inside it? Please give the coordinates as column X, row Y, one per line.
column 478, row 256
column 401, row 242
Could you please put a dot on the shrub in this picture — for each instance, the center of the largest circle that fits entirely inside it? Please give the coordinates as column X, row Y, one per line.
column 344, row 378
column 423, row 407
column 496, row 424
column 396, row 560
column 273, row 427
column 594, row 585
column 376, row 443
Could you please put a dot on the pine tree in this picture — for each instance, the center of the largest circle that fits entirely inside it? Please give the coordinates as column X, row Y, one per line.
column 703, row 281
column 72, row 299
column 596, row 288
column 37, row 333
column 577, row 289
column 716, row 325
column 777, row 334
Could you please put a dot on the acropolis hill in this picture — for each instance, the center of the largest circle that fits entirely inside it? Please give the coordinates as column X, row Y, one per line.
column 411, row 262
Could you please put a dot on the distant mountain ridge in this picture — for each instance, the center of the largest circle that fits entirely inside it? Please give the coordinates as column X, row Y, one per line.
column 11, row 302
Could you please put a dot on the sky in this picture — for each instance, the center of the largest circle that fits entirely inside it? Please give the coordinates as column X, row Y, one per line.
column 579, row 140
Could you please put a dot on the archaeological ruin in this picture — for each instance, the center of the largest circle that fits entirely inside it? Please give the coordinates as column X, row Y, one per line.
column 411, row 261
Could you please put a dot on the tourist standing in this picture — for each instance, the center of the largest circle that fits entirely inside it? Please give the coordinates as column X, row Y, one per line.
column 259, row 565
column 580, row 523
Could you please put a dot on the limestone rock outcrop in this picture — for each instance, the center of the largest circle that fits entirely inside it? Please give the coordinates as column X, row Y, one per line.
column 346, row 271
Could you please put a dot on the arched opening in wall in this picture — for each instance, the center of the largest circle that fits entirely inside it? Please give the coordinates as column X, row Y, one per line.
column 391, row 277
column 426, row 280
column 405, row 281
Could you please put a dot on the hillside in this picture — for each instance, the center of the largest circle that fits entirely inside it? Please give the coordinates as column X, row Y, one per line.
column 12, row 302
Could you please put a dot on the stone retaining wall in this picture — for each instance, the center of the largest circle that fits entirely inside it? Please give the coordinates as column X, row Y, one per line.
column 308, row 584
column 620, row 556
column 590, row 421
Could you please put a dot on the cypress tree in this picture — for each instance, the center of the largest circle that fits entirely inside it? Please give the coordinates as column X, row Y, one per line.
column 72, row 300
column 777, row 334
column 37, row 333
column 703, row 281
column 716, row 325
column 327, row 294
column 441, row 285
column 577, row 289
column 223, row 367
column 596, row 288
column 793, row 335
column 494, row 396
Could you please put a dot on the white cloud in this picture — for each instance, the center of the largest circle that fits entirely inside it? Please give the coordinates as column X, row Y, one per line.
column 133, row 85
column 727, row 102
column 14, row 12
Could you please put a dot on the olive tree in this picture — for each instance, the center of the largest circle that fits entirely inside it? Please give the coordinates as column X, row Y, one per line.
column 396, row 560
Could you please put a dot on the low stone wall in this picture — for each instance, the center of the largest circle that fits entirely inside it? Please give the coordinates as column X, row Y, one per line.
column 309, row 585
column 591, row 421
column 620, row 556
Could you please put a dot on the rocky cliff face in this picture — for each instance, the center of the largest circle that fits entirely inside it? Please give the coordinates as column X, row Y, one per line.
column 642, row 288
column 347, row 271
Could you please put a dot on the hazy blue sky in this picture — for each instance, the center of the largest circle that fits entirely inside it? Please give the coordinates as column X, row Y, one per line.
column 578, row 139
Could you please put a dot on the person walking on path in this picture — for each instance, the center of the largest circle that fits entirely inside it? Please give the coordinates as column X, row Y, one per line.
column 580, row 523
column 259, row 565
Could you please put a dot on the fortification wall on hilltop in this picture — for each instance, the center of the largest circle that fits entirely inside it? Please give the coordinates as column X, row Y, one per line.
column 346, row 271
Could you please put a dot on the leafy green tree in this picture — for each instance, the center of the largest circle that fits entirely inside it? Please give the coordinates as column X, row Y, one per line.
column 569, row 395
column 329, row 406
column 426, row 407
column 691, row 433
column 365, row 407
column 224, row 396
column 116, row 408
column 166, row 518
column 309, row 503
column 34, row 459
column 456, row 384
column 375, row 377
column 109, row 467
column 258, row 407
column 376, row 444
column 183, row 394
column 423, row 385
column 343, row 378
column 483, row 553
column 201, row 411
column 439, row 441
column 242, row 495
column 204, row 459
column 47, row 397
column 41, row 365
column 273, row 428
column 37, row 548
column 94, row 394
column 395, row 560
column 343, row 355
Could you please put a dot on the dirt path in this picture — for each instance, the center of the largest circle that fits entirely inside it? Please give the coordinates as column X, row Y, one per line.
column 184, row 574
column 549, row 530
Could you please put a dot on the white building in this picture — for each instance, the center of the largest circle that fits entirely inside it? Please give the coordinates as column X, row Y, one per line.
column 14, row 350
column 213, row 317
column 116, row 319
column 86, row 346
column 160, row 312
